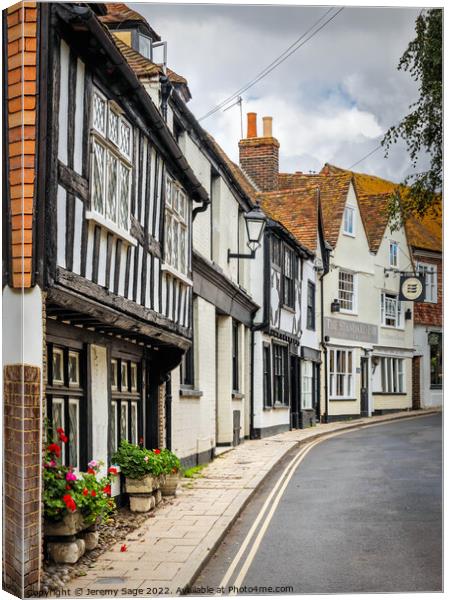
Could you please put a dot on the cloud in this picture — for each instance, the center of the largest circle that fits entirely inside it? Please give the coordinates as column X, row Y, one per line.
column 331, row 101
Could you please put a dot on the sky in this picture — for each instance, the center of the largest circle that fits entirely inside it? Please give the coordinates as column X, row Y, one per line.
column 331, row 101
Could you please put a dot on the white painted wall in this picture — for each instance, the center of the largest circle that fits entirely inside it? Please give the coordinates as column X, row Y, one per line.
column 100, row 405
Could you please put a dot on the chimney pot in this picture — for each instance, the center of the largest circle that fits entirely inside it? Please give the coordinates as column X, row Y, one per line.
column 252, row 125
column 267, row 126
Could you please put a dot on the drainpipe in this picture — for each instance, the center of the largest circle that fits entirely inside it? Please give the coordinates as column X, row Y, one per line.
column 324, row 347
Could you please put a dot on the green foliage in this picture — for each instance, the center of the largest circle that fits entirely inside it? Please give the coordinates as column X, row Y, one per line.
column 135, row 461
column 193, row 471
column 422, row 127
column 66, row 491
column 170, row 462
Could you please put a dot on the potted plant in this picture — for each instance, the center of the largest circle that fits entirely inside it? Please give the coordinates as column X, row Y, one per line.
column 171, row 465
column 73, row 501
column 141, row 467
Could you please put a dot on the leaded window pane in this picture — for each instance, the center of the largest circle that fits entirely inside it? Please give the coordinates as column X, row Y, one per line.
column 168, row 191
column 123, row 421
column 98, row 177
column 113, row 427
column 125, row 138
column 58, row 376
column 124, row 386
column 175, row 244
column 113, row 127
column 111, row 207
column 74, row 434
column 99, row 113
column 58, row 421
column 124, row 196
column 134, row 423
column 74, row 369
column 168, row 239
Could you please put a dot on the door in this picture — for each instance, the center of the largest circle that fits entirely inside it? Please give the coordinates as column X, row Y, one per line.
column 295, row 402
column 364, row 386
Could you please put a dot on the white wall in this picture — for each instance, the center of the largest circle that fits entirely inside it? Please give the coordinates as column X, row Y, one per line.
column 100, row 404
column 429, row 397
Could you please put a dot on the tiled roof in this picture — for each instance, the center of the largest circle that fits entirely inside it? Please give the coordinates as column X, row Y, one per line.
column 143, row 67
column 121, row 13
column 425, row 232
column 373, row 209
column 297, row 211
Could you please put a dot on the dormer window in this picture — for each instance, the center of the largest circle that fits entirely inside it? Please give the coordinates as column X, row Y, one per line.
column 349, row 221
column 145, row 48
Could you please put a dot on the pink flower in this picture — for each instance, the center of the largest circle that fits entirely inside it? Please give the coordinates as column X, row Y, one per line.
column 146, row 459
column 93, row 464
column 70, row 476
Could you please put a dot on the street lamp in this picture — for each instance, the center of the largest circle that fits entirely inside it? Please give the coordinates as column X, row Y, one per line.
column 255, row 221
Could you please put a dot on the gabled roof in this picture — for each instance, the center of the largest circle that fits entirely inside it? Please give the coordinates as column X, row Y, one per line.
column 119, row 14
column 143, row 67
column 297, row 211
column 422, row 232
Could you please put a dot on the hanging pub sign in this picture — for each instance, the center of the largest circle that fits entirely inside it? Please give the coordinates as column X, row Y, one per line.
column 412, row 288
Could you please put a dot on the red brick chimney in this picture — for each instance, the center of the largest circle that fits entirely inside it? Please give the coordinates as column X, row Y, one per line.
column 259, row 156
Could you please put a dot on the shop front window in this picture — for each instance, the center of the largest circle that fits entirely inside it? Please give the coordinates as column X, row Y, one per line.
column 436, row 360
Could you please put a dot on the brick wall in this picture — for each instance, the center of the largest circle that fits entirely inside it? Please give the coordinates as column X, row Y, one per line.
column 21, row 93
column 161, row 412
column 259, row 158
column 22, row 477
column 428, row 313
column 416, row 382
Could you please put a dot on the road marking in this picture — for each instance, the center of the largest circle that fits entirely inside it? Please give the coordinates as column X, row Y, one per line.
column 284, row 478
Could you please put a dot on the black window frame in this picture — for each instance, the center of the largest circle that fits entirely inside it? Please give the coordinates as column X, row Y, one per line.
column 311, row 305
column 267, row 387
column 126, row 397
column 436, row 352
column 67, row 392
column 280, row 358
column 187, row 369
column 235, row 357
column 289, row 279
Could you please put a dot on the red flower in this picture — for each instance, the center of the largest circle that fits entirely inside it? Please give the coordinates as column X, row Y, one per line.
column 157, row 451
column 67, row 487
column 69, row 502
column 91, row 471
column 107, row 490
column 123, row 548
column 60, row 430
column 112, row 470
column 54, row 449
column 85, row 492
column 64, row 439
column 93, row 493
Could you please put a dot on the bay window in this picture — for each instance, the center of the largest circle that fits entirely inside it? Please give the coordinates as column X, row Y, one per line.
column 391, row 311
column 391, row 375
column 111, row 151
column 341, row 374
column 124, row 417
column 66, row 402
column 176, row 227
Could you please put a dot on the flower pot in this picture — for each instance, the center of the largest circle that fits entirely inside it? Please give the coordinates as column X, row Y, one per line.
column 70, row 524
column 171, row 484
column 141, row 486
column 142, row 503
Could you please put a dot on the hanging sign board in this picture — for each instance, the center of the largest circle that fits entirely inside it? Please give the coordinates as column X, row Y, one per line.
column 412, row 288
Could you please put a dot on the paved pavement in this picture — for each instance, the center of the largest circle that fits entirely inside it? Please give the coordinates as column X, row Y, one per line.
column 167, row 553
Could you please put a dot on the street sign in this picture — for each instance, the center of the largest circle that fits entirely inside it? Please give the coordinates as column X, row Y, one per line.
column 412, row 288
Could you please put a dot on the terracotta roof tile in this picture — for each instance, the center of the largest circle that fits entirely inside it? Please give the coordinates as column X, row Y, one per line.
column 422, row 232
column 118, row 12
column 297, row 211
column 143, row 67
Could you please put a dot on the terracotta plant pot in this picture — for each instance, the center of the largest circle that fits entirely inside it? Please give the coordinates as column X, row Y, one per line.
column 171, row 484
column 141, row 486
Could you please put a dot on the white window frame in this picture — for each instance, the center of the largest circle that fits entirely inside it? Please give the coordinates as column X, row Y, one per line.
column 113, row 150
column 393, row 254
column 353, row 309
column 176, row 225
column 391, row 375
column 76, row 355
column 389, row 298
column 306, row 384
column 75, row 402
column 58, row 352
column 349, row 210
column 430, row 272
column 346, row 376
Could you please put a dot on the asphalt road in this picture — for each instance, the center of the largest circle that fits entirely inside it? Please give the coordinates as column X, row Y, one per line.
column 361, row 513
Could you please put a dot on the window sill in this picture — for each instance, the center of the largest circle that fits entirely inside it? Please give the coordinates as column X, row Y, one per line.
column 288, row 308
column 110, row 226
column 389, row 393
column 345, row 311
column 168, row 269
column 352, row 235
column 238, row 396
column 278, row 405
column 436, row 386
column 343, row 399
column 186, row 392
column 393, row 327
